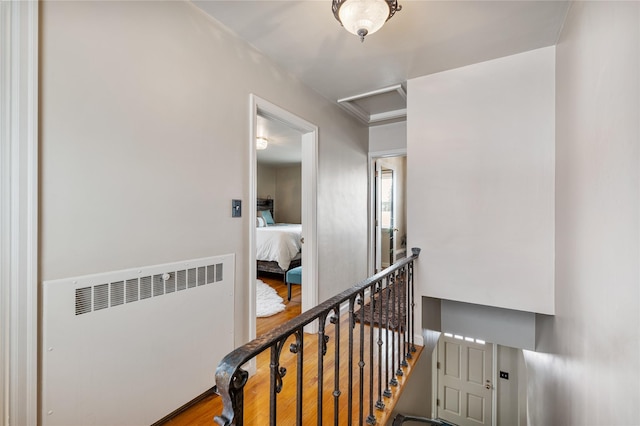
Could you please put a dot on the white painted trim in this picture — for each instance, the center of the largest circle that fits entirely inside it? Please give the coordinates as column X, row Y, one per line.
column 19, row 212
column 398, row 152
column 395, row 88
column 494, row 385
column 352, row 107
column 434, row 380
column 252, row 213
column 387, row 115
column 309, row 204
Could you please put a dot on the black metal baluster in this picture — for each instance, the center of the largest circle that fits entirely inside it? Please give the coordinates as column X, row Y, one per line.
column 335, row 319
column 397, row 310
column 413, row 303
column 277, row 373
column 394, row 380
column 403, row 308
column 387, row 292
column 322, row 350
column 352, row 324
column 371, row 419
column 361, row 363
column 298, row 349
column 379, row 403
column 410, row 326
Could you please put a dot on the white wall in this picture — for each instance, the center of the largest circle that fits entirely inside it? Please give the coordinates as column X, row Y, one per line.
column 289, row 194
column 265, row 181
column 480, row 149
column 144, row 139
column 588, row 368
column 496, row 325
column 284, row 185
column 511, row 393
column 388, row 137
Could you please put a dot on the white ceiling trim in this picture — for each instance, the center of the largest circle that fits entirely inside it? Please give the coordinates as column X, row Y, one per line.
column 352, row 106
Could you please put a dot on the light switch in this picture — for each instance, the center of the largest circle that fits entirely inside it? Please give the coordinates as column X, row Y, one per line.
column 236, row 208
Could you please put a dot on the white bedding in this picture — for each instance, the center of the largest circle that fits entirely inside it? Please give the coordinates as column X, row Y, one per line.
column 279, row 243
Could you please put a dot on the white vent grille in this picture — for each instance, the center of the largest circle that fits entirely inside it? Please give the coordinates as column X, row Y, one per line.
column 117, row 293
column 191, row 278
column 182, row 279
column 219, row 272
column 135, row 289
column 100, row 297
column 132, row 290
column 83, row 300
column 158, row 285
column 170, row 284
column 211, row 274
column 145, row 287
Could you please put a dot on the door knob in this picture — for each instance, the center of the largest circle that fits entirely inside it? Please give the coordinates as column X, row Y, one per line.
column 302, row 240
column 487, row 386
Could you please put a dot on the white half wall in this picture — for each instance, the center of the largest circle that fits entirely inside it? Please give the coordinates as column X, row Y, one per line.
column 480, row 150
column 586, row 370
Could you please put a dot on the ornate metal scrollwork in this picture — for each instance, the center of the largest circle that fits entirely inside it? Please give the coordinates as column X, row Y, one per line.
column 385, row 305
column 232, row 397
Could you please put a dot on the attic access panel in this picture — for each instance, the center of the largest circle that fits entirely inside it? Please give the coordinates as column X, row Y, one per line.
column 378, row 106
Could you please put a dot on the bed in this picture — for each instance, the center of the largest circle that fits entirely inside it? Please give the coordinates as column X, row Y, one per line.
column 278, row 245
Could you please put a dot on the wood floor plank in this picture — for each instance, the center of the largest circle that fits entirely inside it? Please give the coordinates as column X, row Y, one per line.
column 257, row 393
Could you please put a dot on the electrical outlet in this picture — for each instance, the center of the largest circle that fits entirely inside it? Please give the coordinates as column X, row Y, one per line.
column 236, row 208
column 504, row 375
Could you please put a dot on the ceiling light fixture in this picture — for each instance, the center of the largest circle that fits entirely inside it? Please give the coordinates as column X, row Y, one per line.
column 261, row 142
column 363, row 17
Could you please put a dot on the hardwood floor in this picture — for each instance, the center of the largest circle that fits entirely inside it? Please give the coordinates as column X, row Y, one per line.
column 257, row 389
column 294, row 306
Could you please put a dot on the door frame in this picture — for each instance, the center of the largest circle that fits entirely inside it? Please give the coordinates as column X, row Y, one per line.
column 19, row 212
column 309, row 202
column 390, row 257
column 372, row 157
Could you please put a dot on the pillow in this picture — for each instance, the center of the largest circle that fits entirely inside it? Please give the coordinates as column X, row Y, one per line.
column 266, row 215
column 260, row 222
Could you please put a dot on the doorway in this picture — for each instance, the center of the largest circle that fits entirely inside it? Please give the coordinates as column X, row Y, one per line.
column 388, row 223
column 465, row 388
column 309, row 149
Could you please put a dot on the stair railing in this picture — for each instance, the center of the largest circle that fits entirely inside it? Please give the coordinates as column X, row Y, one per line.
column 384, row 302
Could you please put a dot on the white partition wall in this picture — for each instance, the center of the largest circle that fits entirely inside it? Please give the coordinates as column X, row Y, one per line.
column 480, row 149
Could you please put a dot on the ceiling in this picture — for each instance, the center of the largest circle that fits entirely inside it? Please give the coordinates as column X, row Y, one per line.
column 369, row 79
column 424, row 37
column 284, row 144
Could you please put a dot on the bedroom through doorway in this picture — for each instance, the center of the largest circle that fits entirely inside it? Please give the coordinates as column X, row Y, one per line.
column 283, row 205
column 279, row 218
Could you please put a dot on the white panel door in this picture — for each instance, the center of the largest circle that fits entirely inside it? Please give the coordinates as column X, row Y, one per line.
column 465, row 390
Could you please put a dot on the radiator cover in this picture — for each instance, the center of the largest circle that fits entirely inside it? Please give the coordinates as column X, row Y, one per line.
column 129, row 347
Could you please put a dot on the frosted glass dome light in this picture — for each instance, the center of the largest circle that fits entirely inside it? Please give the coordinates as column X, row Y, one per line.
column 363, row 17
column 261, row 142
